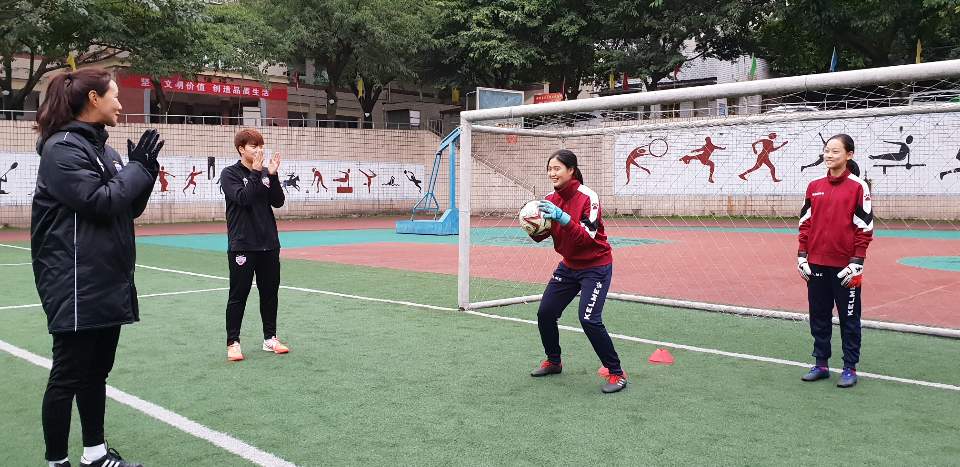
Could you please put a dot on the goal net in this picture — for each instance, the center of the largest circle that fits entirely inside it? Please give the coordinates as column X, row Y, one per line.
column 701, row 190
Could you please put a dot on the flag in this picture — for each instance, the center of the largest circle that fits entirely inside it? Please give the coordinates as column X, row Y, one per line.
column 676, row 72
column 626, row 82
column 834, row 60
column 296, row 78
column 455, row 96
column 613, row 81
column 359, row 86
column 919, row 50
column 72, row 61
column 753, row 67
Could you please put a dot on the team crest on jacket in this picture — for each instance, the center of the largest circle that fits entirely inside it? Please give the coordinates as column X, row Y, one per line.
column 245, row 181
column 117, row 166
column 266, row 181
column 241, row 260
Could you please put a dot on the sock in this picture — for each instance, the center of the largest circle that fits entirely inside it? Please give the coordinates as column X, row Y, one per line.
column 822, row 363
column 92, row 454
column 54, row 463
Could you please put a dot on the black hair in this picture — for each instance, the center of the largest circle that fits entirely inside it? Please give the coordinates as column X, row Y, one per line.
column 67, row 96
column 845, row 140
column 569, row 160
column 848, row 146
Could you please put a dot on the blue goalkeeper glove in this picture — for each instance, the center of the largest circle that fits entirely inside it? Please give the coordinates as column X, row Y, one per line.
column 552, row 212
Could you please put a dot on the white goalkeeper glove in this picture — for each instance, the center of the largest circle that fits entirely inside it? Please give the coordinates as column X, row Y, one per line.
column 803, row 266
column 852, row 275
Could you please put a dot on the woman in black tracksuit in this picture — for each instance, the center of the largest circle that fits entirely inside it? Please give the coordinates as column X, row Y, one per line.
column 836, row 226
column 82, row 244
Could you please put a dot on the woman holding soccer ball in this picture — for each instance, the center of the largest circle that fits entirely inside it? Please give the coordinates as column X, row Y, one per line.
column 836, row 226
column 587, row 267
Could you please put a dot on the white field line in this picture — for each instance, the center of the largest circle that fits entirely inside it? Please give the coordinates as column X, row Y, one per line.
column 219, row 439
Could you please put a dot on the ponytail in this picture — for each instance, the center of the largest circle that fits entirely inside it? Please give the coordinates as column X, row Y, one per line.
column 853, row 167
column 67, row 97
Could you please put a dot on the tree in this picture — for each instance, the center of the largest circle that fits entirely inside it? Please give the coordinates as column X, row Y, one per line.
column 45, row 32
column 390, row 49
column 798, row 36
column 488, row 43
column 650, row 40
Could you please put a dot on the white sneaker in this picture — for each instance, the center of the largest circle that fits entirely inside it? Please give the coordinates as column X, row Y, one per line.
column 233, row 352
column 274, row 345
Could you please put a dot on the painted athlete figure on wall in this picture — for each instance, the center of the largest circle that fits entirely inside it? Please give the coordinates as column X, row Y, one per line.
column 763, row 156
column 703, row 154
column 192, row 180
column 162, row 177
column 370, row 176
column 947, row 172
column 820, row 156
column 900, row 155
column 318, row 180
column 413, row 178
column 3, row 178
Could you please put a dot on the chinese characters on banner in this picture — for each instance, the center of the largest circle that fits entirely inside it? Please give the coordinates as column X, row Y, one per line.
column 248, row 90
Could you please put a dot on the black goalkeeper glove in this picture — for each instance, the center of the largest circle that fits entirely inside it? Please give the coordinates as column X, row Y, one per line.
column 148, row 145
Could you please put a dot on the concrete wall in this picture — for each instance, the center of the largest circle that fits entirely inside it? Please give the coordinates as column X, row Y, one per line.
column 348, row 147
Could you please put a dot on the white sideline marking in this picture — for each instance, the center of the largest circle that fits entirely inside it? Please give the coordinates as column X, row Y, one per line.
column 15, row 264
column 15, row 247
column 690, row 348
column 160, row 294
column 303, row 289
column 219, row 439
column 742, row 356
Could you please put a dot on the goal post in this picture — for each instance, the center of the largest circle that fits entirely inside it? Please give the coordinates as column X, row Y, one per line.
column 700, row 204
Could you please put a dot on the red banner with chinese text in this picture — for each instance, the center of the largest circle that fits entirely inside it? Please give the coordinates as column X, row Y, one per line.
column 248, row 89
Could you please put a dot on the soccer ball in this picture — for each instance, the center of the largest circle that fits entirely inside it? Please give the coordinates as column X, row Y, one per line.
column 531, row 219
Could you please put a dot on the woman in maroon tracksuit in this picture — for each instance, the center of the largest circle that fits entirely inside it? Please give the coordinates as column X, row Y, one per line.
column 587, row 268
column 836, row 226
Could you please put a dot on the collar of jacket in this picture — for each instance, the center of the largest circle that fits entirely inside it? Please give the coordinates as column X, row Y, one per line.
column 838, row 179
column 567, row 191
column 95, row 133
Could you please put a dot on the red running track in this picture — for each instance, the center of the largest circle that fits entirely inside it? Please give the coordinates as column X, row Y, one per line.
column 748, row 269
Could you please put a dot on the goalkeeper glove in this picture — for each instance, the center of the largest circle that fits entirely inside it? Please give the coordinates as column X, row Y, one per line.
column 852, row 275
column 554, row 213
column 803, row 266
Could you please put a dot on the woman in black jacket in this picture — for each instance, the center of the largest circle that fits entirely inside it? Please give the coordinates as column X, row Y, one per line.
column 82, row 243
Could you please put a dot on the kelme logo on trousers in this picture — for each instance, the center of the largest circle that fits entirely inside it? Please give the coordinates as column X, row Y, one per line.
column 241, row 260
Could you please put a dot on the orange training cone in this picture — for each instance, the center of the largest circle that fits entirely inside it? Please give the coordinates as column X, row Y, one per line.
column 661, row 357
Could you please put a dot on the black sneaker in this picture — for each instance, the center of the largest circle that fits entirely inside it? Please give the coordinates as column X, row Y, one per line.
column 547, row 368
column 615, row 383
column 112, row 459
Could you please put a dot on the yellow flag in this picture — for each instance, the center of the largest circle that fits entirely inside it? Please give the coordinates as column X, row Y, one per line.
column 455, row 96
column 919, row 50
column 613, row 80
column 72, row 61
column 359, row 86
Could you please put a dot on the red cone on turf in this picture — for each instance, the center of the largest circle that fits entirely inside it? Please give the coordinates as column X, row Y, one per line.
column 603, row 371
column 661, row 357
